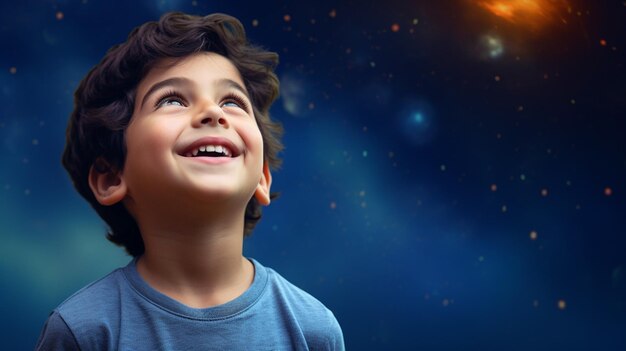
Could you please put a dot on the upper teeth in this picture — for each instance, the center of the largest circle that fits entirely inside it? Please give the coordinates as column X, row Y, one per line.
column 210, row 148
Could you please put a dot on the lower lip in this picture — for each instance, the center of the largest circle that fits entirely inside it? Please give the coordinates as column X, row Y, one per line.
column 212, row 160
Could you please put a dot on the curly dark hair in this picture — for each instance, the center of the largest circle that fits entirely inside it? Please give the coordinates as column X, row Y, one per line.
column 105, row 98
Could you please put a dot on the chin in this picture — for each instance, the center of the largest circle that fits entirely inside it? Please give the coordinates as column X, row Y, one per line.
column 224, row 194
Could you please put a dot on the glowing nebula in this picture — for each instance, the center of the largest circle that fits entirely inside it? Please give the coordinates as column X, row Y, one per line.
column 492, row 46
column 532, row 13
column 293, row 93
column 417, row 121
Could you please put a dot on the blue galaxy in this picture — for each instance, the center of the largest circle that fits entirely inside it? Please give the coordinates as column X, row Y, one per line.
column 450, row 181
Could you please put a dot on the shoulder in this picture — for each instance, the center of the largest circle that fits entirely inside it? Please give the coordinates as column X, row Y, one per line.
column 93, row 298
column 318, row 324
column 293, row 294
column 90, row 314
column 56, row 335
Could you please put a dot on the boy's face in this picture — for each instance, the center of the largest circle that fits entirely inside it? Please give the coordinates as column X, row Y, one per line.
column 193, row 134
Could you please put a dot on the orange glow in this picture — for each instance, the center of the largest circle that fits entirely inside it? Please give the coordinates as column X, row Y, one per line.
column 532, row 13
column 500, row 9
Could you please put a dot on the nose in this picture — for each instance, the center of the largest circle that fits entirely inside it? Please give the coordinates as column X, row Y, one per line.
column 211, row 114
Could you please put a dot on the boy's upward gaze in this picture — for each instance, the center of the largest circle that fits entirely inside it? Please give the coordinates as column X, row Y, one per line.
column 171, row 142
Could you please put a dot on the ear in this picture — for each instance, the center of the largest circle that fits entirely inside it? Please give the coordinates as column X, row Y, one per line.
column 106, row 183
column 262, row 192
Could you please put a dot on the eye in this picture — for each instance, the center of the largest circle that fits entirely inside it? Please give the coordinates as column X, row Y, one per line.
column 237, row 101
column 231, row 103
column 171, row 98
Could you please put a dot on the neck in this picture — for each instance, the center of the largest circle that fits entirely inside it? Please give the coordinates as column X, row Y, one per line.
column 198, row 263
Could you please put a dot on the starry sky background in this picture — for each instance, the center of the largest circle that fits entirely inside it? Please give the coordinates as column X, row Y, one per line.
column 454, row 172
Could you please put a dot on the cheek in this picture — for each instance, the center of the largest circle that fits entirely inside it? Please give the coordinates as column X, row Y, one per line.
column 149, row 147
column 150, row 136
column 252, row 136
column 254, row 140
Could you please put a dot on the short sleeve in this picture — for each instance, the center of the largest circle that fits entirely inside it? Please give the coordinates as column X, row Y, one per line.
column 328, row 338
column 335, row 336
column 56, row 335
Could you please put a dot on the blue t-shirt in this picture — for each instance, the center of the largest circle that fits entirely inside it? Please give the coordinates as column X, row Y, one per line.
column 122, row 312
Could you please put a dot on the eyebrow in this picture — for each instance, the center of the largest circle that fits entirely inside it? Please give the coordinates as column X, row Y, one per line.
column 229, row 83
column 186, row 82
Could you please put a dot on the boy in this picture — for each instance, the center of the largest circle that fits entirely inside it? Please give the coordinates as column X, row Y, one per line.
column 171, row 143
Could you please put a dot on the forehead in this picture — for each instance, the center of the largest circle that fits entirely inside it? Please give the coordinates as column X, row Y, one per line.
column 201, row 67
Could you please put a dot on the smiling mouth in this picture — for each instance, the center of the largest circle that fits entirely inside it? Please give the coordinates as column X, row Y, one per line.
column 210, row 151
column 212, row 148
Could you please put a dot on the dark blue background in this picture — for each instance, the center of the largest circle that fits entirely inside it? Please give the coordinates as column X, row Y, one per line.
column 418, row 162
